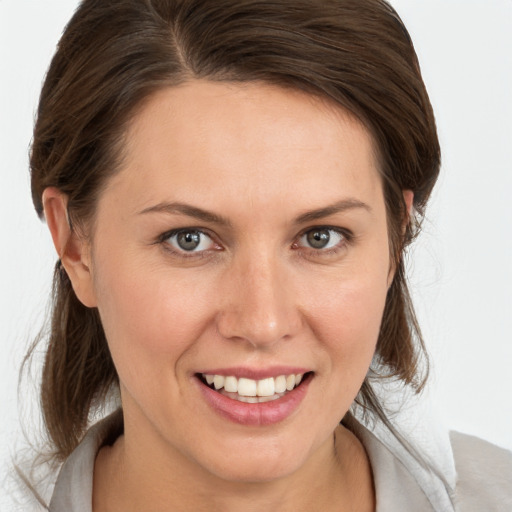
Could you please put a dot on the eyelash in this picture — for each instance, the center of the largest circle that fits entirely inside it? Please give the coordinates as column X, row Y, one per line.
column 164, row 241
column 346, row 238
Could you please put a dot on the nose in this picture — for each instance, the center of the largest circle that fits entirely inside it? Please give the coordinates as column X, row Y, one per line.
column 258, row 303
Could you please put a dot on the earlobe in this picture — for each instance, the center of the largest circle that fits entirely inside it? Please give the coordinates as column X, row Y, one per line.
column 409, row 205
column 408, row 198
column 73, row 250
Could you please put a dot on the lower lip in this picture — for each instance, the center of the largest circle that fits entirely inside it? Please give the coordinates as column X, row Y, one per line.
column 264, row 413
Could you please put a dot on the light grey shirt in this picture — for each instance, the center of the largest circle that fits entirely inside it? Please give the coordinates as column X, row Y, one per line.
column 482, row 481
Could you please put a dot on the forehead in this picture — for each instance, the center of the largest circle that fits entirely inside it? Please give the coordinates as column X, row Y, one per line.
column 252, row 142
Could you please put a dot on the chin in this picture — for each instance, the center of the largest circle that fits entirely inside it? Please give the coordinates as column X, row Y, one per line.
column 256, row 470
column 254, row 464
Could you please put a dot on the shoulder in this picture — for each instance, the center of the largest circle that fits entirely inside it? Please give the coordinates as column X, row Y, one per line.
column 445, row 473
column 402, row 482
column 73, row 488
column 484, row 474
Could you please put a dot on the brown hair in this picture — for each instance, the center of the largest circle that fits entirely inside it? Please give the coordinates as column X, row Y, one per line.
column 114, row 54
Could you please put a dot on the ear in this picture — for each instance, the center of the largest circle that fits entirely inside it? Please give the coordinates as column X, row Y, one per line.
column 408, row 198
column 73, row 250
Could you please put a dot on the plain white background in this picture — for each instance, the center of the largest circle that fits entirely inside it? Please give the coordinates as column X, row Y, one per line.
column 461, row 268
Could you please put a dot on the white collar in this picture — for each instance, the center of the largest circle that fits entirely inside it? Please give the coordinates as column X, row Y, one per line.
column 401, row 481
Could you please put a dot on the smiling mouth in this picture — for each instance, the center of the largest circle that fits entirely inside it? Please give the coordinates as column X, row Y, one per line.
column 253, row 391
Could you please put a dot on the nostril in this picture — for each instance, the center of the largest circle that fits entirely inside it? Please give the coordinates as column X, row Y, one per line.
column 262, row 313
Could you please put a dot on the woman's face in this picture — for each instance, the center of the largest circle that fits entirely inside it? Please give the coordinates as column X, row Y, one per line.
column 244, row 237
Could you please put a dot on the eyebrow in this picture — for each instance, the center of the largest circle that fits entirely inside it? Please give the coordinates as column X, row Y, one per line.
column 188, row 210
column 207, row 216
column 338, row 207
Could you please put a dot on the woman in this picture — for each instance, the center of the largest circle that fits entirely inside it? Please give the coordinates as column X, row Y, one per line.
column 230, row 187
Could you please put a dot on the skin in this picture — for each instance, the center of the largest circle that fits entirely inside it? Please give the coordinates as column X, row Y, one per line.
column 256, row 295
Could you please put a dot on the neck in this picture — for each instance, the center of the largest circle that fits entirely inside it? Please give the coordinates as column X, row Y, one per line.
column 131, row 476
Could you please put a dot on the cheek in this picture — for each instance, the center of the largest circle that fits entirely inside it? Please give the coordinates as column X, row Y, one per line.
column 355, row 313
column 150, row 317
column 346, row 316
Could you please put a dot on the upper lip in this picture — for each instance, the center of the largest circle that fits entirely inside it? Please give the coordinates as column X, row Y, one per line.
column 255, row 373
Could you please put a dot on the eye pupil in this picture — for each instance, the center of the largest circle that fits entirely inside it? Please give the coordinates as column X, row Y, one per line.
column 188, row 240
column 318, row 238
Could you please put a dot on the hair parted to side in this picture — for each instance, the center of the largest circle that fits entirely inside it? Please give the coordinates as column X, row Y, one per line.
column 113, row 55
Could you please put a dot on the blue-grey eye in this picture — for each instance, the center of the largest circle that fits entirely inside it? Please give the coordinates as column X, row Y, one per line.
column 190, row 240
column 321, row 238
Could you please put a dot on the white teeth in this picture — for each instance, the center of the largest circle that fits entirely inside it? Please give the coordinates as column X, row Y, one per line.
column 248, row 399
column 247, row 387
column 218, row 381
column 280, row 384
column 269, row 388
column 257, row 399
column 268, row 398
column 266, row 387
column 231, row 384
